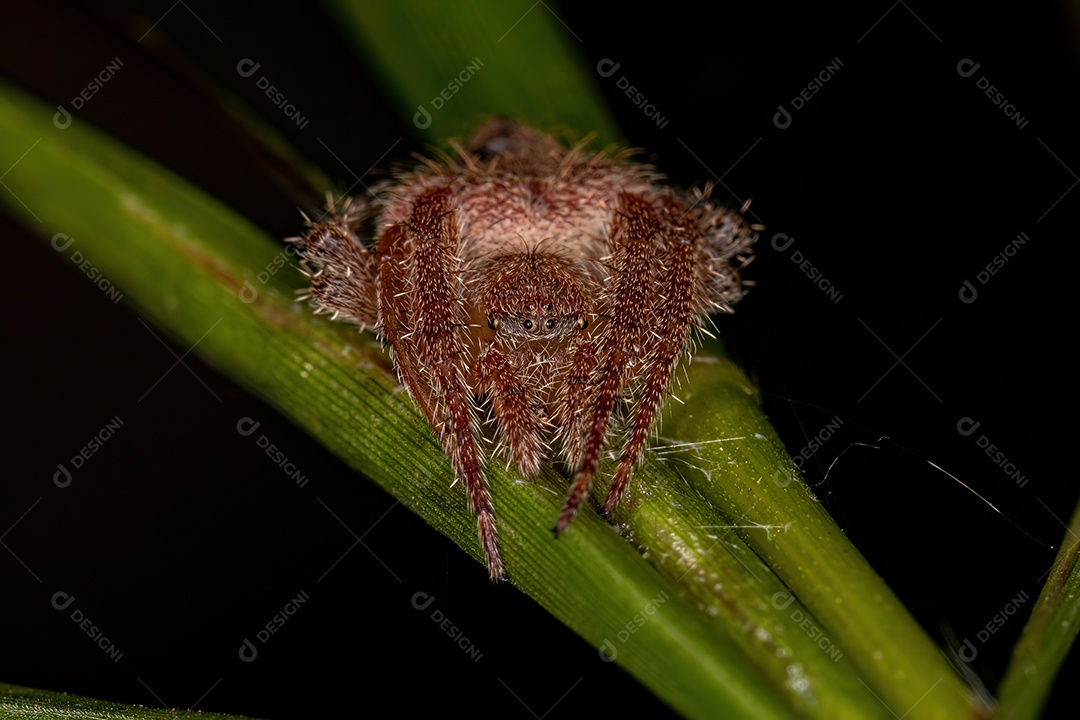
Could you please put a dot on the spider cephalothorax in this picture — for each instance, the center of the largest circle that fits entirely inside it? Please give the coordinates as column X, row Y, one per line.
column 550, row 285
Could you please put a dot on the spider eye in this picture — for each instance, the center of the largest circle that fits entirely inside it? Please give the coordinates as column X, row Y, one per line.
column 547, row 308
column 528, row 324
column 582, row 323
column 493, row 323
column 550, row 324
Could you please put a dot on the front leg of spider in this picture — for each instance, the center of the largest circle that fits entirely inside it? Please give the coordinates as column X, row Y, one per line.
column 670, row 263
column 676, row 306
column 425, row 323
column 624, row 349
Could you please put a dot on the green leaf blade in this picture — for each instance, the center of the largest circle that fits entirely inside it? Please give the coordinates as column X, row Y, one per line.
column 1048, row 636
column 450, row 66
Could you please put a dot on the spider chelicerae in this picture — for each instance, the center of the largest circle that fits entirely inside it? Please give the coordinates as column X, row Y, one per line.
column 548, row 289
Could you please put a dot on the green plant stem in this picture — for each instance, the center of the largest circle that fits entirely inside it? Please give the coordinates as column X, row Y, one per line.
column 18, row 701
column 777, row 514
column 693, row 544
column 1048, row 635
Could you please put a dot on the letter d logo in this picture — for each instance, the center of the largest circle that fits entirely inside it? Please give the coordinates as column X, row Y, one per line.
column 782, row 118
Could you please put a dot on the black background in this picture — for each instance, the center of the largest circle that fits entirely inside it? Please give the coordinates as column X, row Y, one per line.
column 899, row 180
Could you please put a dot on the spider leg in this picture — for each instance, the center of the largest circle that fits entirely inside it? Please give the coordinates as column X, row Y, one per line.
column 628, row 306
column 572, row 410
column 514, row 403
column 424, row 322
column 395, row 325
column 341, row 268
column 679, row 305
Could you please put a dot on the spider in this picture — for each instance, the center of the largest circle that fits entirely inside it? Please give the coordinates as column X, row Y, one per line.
column 547, row 290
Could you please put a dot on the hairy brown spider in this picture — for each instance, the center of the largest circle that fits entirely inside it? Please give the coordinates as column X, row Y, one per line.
column 557, row 286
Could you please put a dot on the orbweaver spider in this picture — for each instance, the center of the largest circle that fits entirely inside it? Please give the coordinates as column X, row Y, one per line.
column 557, row 286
